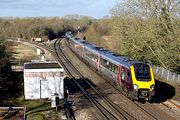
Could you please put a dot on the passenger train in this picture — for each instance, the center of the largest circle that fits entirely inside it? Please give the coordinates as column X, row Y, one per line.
column 133, row 77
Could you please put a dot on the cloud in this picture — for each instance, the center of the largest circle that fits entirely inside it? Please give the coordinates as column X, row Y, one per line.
column 61, row 4
column 55, row 7
column 18, row 4
column 9, row 1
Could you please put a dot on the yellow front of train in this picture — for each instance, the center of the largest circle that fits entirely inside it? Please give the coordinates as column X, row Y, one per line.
column 143, row 81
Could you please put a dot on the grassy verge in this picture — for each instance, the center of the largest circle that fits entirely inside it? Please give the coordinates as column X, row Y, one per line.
column 13, row 95
column 38, row 109
column 35, row 109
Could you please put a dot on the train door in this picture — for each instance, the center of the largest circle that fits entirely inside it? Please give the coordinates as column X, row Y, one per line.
column 122, row 76
column 98, row 57
column 72, row 45
column 118, row 76
column 125, row 79
column 82, row 52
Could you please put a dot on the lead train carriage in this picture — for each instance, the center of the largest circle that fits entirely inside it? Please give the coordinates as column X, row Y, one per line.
column 134, row 77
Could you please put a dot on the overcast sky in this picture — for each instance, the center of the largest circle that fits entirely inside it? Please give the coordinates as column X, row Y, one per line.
column 33, row 8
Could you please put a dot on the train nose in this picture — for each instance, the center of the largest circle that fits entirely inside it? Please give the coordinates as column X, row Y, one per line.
column 144, row 93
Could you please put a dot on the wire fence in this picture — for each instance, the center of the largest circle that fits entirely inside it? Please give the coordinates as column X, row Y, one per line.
column 166, row 75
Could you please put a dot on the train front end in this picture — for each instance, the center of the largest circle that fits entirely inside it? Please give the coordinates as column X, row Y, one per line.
column 143, row 81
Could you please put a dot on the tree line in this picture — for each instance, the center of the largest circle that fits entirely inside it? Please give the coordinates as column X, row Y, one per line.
column 145, row 30
column 148, row 30
column 5, row 67
column 27, row 28
column 46, row 28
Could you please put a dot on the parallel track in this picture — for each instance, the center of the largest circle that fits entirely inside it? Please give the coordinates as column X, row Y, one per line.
column 75, row 74
column 108, row 109
column 146, row 108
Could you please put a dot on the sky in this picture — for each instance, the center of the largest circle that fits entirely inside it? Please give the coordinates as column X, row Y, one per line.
column 50, row 8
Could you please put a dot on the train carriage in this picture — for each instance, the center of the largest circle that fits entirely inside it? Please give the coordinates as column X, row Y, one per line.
column 135, row 78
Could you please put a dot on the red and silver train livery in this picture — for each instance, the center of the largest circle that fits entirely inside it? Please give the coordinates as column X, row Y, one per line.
column 135, row 78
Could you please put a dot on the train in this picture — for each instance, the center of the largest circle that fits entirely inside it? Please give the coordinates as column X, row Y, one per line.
column 134, row 78
column 36, row 39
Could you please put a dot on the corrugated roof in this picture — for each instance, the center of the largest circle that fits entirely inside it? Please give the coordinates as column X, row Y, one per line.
column 41, row 65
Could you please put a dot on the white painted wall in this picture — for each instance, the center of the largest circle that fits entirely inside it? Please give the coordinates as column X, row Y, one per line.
column 39, row 84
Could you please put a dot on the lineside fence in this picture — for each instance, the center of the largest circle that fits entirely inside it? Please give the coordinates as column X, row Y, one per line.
column 166, row 75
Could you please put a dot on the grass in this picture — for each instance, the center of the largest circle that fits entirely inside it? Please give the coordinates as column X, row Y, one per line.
column 37, row 109
column 20, row 51
column 34, row 108
column 36, row 116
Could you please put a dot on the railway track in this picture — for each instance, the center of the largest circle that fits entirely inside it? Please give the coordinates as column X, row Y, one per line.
column 151, row 111
column 106, row 113
column 106, row 107
column 148, row 108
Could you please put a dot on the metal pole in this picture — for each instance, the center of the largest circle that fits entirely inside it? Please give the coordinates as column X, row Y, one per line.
column 40, row 89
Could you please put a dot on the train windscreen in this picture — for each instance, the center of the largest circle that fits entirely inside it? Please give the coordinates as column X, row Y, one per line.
column 142, row 72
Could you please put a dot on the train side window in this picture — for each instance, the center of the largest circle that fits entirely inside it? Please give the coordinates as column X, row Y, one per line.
column 115, row 68
column 107, row 63
column 104, row 62
column 90, row 55
column 122, row 74
column 110, row 66
column 128, row 76
column 85, row 52
column 94, row 56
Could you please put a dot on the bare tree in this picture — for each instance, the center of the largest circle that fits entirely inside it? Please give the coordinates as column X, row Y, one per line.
column 148, row 30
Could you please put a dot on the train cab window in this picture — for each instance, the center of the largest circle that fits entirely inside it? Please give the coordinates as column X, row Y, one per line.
column 142, row 72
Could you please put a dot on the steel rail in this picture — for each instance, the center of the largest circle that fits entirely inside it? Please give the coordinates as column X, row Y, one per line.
column 118, row 111
column 62, row 59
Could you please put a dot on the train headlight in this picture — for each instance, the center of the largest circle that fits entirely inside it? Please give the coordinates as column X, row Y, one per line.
column 135, row 86
column 152, row 87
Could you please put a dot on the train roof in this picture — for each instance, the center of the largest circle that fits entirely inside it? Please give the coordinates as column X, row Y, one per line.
column 107, row 54
column 119, row 59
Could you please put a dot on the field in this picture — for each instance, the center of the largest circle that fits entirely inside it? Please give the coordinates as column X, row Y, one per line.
column 21, row 52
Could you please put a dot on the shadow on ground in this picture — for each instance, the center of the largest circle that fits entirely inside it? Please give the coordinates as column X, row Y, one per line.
column 164, row 91
column 71, row 86
column 12, row 89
